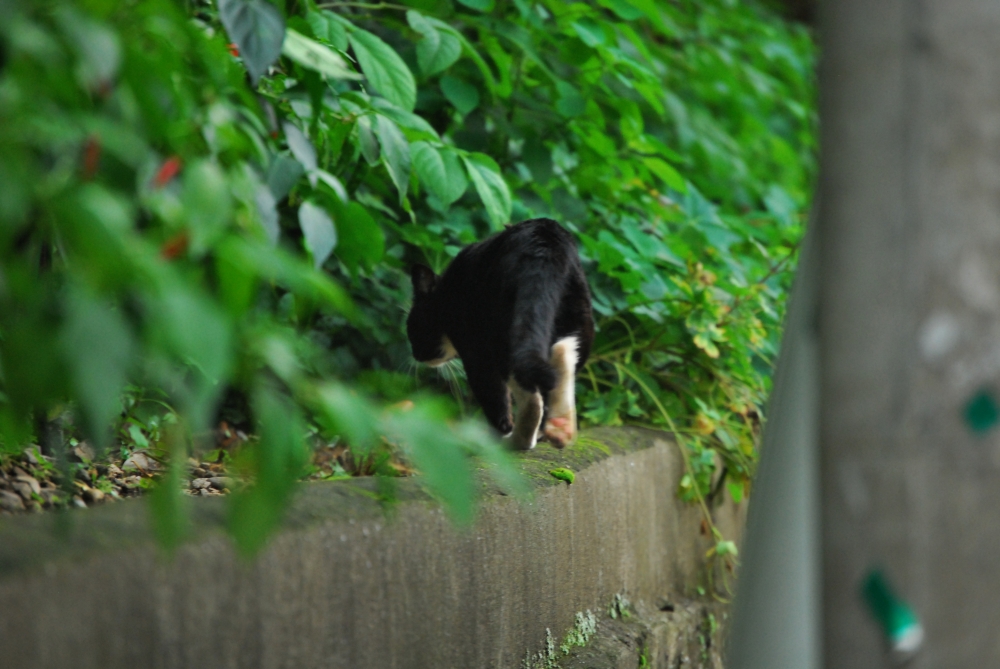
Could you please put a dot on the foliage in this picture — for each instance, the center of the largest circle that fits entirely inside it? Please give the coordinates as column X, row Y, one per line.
column 228, row 196
column 148, row 236
column 675, row 139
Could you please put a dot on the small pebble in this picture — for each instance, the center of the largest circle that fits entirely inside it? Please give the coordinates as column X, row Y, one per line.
column 221, row 482
column 201, row 483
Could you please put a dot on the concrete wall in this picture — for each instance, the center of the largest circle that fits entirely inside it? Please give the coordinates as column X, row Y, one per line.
column 345, row 586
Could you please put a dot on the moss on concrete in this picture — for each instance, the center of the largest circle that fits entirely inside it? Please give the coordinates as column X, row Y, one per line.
column 29, row 542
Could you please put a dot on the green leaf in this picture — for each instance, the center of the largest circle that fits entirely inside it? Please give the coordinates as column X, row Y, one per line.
column 570, row 102
column 315, row 56
column 590, row 31
column 257, row 29
column 469, row 50
column 439, row 456
column 671, row 177
column 395, row 153
column 195, row 331
column 492, row 189
column 344, row 413
column 96, row 44
column 500, row 464
column 440, row 172
column 267, row 212
column 361, row 242
column 319, row 232
column 208, row 204
column 277, row 265
column 436, row 50
column 479, row 5
column 463, row 96
column 98, row 345
column 385, row 70
column 169, row 507
column 282, row 175
column 367, row 140
column 279, row 459
column 563, row 474
column 327, row 26
column 623, row 9
column 237, row 279
column 300, row 146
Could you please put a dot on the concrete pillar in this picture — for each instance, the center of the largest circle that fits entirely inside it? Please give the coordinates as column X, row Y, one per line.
column 909, row 242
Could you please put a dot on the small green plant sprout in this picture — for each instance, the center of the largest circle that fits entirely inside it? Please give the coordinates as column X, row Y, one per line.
column 722, row 549
column 545, row 659
column 563, row 474
column 583, row 629
column 620, row 607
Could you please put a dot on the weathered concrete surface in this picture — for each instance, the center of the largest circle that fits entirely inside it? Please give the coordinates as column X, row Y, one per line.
column 688, row 635
column 344, row 586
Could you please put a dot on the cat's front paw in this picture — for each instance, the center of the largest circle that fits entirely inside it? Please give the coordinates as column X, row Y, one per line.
column 560, row 430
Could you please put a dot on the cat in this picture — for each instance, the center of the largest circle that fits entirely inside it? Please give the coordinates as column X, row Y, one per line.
column 516, row 309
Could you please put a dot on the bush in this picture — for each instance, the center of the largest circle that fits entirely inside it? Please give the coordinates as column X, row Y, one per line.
column 227, row 196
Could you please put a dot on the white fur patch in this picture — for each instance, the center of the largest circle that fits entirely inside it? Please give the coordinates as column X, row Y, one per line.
column 449, row 353
column 529, row 416
column 562, row 399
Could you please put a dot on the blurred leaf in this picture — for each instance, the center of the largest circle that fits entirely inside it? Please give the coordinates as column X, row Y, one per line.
column 436, row 51
column 492, row 189
column 464, row 97
column 570, row 102
column 439, row 456
column 343, row 412
column 194, row 330
column 168, row 506
column 257, row 29
column 668, row 174
column 319, row 232
column 315, row 56
column 395, row 153
column 97, row 45
column 479, row 5
column 326, row 25
column 282, row 174
column 267, row 212
column 590, row 31
column 384, row 69
column 361, row 241
column 440, row 172
column 237, row 279
column 207, row 203
column 367, row 140
column 98, row 345
column 300, row 146
column 279, row 459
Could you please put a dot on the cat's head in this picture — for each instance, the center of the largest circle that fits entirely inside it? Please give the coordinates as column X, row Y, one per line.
column 424, row 325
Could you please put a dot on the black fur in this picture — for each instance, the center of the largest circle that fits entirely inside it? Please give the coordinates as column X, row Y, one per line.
column 503, row 303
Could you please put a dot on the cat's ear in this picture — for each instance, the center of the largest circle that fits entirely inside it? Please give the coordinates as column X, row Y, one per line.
column 424, row 279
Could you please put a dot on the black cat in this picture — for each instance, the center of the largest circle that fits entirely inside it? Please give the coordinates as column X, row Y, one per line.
column 516, row 309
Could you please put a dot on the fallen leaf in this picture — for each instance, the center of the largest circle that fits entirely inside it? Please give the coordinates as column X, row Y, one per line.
column 563, row 474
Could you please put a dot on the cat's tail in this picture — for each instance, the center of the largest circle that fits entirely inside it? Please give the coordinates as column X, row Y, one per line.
column 531, row 333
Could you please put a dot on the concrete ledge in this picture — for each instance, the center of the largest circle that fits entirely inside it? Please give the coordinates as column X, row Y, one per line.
column 345, row 586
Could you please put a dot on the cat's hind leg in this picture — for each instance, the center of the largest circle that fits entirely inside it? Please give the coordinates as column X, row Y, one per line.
column 560, row 428
column 529, row 407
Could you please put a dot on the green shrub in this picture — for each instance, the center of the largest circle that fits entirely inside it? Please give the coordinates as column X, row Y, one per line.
column 226, row 196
